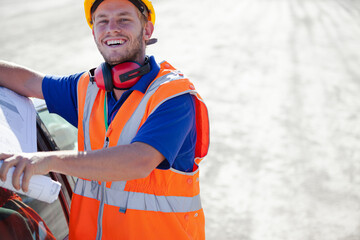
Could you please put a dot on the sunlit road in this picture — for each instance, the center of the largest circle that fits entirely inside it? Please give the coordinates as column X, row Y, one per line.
column 281, row 79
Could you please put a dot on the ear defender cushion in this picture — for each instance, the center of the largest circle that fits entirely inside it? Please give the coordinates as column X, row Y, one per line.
column 103, row 77
column 126, row 75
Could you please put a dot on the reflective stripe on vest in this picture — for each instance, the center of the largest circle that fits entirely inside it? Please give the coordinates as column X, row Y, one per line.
column 136, row 200
column 91, row 94
column 132, row 126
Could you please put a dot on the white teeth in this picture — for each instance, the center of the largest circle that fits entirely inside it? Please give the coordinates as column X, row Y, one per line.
column 115, row 42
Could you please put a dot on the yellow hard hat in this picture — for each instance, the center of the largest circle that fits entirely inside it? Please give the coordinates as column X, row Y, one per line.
column 138, row 3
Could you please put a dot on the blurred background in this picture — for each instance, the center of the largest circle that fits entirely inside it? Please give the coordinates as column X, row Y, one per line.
column 281, row 79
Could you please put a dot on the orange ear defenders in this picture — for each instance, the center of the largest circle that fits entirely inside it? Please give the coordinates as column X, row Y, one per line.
column 122, row 76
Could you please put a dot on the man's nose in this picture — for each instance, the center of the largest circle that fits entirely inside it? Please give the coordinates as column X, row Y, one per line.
column 113, row 26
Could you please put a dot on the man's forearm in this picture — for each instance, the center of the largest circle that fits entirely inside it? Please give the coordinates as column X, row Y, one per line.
column 119, row 163
column 21, row 80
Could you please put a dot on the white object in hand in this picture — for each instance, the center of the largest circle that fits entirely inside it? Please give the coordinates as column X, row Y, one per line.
column 41, row 187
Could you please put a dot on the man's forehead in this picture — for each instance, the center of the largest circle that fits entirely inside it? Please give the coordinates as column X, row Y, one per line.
column 120, row 10
column 119, row 3
column 135, row 4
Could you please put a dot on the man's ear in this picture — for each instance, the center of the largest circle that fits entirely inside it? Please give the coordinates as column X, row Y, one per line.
column 148, row 30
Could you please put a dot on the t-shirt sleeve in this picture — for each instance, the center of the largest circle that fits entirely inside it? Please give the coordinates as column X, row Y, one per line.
column 60, row 94
column 171, row 130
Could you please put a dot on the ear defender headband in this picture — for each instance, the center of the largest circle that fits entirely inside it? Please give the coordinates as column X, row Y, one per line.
column 122, row 76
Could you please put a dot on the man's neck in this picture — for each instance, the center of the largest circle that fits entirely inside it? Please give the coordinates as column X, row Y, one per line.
column 118, row 94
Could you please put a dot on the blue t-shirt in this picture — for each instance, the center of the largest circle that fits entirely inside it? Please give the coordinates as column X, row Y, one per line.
column 170, row 129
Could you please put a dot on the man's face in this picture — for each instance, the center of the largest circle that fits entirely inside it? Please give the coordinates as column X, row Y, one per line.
column 119, row 33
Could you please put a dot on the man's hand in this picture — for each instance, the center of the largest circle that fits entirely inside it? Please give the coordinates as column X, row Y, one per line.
column 28, row 164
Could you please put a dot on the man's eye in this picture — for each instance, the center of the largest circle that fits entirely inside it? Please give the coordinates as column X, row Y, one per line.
column 103, row 21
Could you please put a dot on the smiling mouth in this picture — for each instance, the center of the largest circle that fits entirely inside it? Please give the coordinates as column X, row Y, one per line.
column 112, row 43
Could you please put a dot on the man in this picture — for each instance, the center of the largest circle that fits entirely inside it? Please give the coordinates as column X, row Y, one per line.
column 142, row 131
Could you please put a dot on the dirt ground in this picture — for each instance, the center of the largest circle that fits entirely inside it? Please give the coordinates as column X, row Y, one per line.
column 281, row 79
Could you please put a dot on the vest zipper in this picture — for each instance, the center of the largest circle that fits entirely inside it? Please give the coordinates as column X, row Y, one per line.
column 106, row 144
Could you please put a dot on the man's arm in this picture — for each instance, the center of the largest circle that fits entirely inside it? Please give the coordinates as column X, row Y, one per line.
column 21, row 80
column 120, row 163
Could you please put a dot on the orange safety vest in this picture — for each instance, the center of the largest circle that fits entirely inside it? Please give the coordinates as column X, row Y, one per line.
column 164, row 205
